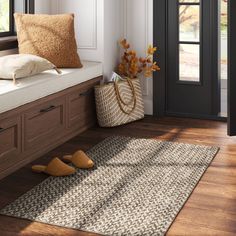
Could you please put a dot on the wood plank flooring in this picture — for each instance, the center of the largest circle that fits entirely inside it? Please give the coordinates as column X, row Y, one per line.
column 211, row 209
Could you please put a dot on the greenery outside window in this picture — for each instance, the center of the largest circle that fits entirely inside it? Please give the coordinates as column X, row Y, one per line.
column 7, row 27
column 6, row 16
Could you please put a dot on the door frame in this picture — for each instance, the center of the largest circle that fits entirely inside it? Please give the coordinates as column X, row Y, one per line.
column 231, row 68
column 160, row 40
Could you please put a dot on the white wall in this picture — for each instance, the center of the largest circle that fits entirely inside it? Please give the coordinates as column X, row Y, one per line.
column 43, row 7
column 88, row 25
column 101, row 23
column 138, row 29
column 112, row 35
column 98, row 29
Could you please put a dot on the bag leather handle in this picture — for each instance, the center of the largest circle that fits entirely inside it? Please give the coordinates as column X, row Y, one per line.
column 121, row 101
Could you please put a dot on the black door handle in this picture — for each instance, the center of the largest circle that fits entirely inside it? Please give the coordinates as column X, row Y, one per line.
column 86, row 93
column 48, row 109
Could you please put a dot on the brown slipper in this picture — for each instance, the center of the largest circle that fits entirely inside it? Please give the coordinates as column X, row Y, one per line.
column 80, row 160
column 56, row 167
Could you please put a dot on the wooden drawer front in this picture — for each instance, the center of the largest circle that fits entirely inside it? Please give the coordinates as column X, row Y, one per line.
column 44, row 124
column 10, row 142
column 81, row 108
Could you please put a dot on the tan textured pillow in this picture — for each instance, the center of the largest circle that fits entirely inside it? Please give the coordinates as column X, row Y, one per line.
column 23, row 65
column 48, row 36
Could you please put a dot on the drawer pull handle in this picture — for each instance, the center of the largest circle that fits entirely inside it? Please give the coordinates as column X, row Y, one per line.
column 86, row 93
column 48, row 109
column 1, row 129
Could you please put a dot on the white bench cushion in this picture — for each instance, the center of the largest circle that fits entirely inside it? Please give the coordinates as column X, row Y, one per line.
column 33, row 88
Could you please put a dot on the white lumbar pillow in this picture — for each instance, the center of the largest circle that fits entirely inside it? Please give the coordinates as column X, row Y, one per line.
column 23, row 65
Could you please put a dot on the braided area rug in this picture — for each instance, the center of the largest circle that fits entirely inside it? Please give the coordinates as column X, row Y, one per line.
column 137, row 188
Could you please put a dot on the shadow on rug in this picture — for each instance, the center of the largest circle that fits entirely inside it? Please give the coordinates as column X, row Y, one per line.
column 138, row 188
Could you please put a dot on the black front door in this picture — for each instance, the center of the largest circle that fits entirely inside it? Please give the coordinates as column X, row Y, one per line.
column 193, row 87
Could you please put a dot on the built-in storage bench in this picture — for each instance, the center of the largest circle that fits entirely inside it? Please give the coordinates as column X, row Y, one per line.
column 44, row 122
column 31, row 130
column 10, row 142
column 79, row 103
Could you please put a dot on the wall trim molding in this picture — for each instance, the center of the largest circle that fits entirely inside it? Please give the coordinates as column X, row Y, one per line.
column 125, row 23
column 94, row 7
column 94, row 45
column 55, row 6
column 147, row 38
column 125, row 18
column 146, row 23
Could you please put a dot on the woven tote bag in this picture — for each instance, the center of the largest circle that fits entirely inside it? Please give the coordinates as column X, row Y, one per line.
column 119, row 103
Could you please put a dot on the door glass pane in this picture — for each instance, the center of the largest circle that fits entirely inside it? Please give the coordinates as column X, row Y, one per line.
column 189, row 20
column 4, row 16
column 189, row 67
column 224, row 50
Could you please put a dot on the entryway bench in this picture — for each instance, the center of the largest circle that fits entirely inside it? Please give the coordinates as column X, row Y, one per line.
column 43, row 111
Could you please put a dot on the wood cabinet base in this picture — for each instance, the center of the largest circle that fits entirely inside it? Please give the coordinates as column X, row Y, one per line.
column 32, row 130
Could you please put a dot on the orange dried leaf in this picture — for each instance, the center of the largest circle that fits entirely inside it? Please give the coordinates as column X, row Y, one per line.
column 151, row 50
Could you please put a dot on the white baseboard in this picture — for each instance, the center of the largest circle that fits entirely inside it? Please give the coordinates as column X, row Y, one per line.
column 224, row 83
column 148, row 106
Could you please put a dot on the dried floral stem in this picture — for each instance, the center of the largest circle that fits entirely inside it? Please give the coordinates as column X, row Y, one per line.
column 131, row 66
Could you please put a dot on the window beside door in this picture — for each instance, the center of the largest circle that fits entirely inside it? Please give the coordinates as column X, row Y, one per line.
column 7, row 27
column 5, row 17
column 189, row 40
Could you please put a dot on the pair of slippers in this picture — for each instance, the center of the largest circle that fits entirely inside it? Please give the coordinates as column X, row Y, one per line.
column 56, row 167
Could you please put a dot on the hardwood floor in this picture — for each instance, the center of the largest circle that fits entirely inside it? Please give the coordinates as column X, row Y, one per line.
column 211, row 209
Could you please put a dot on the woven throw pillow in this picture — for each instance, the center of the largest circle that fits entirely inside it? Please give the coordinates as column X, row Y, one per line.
column 48, row 36
column 23, row 65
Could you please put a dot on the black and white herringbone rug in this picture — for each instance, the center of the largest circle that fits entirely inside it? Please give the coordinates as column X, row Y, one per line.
column 138, row 188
